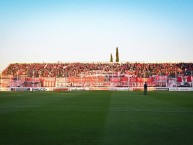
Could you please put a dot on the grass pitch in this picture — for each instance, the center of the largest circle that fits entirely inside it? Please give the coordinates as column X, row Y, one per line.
column 96, row 118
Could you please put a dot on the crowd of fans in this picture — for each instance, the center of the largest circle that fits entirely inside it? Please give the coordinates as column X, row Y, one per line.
column 75, row 69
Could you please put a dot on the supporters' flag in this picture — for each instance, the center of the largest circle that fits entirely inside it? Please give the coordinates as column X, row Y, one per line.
column 117, row 74
column 189, row 79
column 179, row 79
column 124, row 79
column 133, row 79
column 113, row 79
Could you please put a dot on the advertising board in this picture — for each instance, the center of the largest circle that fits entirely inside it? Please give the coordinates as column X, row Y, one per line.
column 119, row 89
column 5, row 89
column 39, row 89
column 20, row 89
column 78, row 89
column 181, row 89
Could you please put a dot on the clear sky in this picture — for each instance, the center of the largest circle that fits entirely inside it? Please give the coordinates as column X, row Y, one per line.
column 89, row 30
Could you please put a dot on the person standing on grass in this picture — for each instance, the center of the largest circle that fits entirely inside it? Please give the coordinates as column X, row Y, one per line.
column 145, row 88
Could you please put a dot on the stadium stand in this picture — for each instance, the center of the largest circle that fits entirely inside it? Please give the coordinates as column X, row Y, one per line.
column 75, row 69
column 118, row 74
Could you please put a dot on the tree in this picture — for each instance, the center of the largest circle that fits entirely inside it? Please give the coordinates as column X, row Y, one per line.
column 117, row 55
column 111, row 58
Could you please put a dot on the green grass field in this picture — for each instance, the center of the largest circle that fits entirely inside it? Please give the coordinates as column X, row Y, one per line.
column 96, row 118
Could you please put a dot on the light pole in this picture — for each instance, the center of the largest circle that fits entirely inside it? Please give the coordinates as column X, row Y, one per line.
column 17, row 79
column 192, row 77
column 128, row 81
column 33, row 78
column 112, row 75
column 81, row 78
column 1, row 78
column 95, row 78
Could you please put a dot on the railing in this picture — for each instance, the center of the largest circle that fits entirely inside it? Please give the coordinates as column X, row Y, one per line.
column 98, row 81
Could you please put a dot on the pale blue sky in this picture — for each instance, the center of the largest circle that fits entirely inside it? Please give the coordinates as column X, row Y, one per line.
column 88, row 31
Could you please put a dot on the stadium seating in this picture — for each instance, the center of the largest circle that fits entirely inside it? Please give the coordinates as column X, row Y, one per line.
column 144, row 70
column 96, row 74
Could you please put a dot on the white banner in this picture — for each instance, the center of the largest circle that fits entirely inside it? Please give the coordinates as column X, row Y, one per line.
column 181, row 89
column 79, row 88
column 5, row 89
column 119, row 89
column 39, row 89
column 61, row 82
